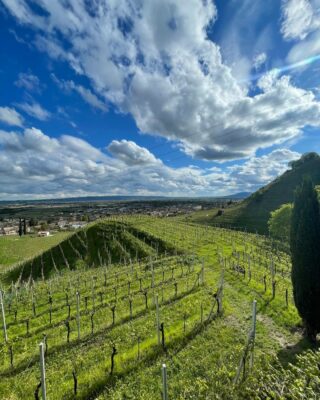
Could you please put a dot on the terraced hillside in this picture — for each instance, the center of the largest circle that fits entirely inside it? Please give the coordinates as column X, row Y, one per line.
column 254, row 212
column 99, row 244
column 93, row 301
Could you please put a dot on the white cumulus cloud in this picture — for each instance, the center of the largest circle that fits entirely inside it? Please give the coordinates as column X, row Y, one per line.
column 259, row 171
column 10, row 116
column 155, row 61
column 35, row 110
column 34, row 165
column 131, row 153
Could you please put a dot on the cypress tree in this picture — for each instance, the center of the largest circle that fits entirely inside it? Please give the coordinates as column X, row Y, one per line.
column 305, row 253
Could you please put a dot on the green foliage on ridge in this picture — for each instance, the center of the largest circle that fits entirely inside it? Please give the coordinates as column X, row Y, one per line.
column 280, row 221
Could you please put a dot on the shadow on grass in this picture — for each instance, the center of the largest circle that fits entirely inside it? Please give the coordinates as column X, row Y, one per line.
column 289, row 353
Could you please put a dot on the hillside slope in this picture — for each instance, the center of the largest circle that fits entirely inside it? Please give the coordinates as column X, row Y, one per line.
column 107, row 330
column 254, row 212
column 101, row 243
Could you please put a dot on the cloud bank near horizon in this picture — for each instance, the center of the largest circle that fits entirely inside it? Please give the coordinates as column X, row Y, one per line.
column 34, row 165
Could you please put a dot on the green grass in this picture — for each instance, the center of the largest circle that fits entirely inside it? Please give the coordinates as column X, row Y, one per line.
column 202, row 357
column 15, row 249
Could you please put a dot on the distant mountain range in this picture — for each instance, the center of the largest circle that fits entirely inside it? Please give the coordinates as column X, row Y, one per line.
column 88, row 199
column 237, row 196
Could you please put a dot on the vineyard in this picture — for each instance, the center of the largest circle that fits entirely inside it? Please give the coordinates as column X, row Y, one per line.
column 110, row 304
column 14, row 250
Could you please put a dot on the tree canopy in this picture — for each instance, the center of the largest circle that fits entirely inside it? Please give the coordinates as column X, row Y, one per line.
column 305, row 253
column 279, row 222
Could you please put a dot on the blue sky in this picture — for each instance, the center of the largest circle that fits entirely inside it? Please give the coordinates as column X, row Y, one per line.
column 203, row 98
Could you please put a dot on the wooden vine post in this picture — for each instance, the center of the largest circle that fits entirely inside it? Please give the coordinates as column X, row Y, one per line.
column 43, row 372
column 202, row 272
column 11, row 355
column 130, row 307
column 145, row 293
column 3, row 318
column 113, row 310
column 92, row 322
column 139, row 341
column 249, row 348
column 92, row 295
column 67, row 324
column 274, row 283
column 158, row 319
column 75, row 382
column 113, row 354
column 254, row 320
column 33, row 303
column 162, row 336
column 78, row 314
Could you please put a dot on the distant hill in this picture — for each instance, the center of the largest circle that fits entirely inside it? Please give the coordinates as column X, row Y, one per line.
column 88, row 199
column 253, row 213
column 96, row 199
column 237, row 196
